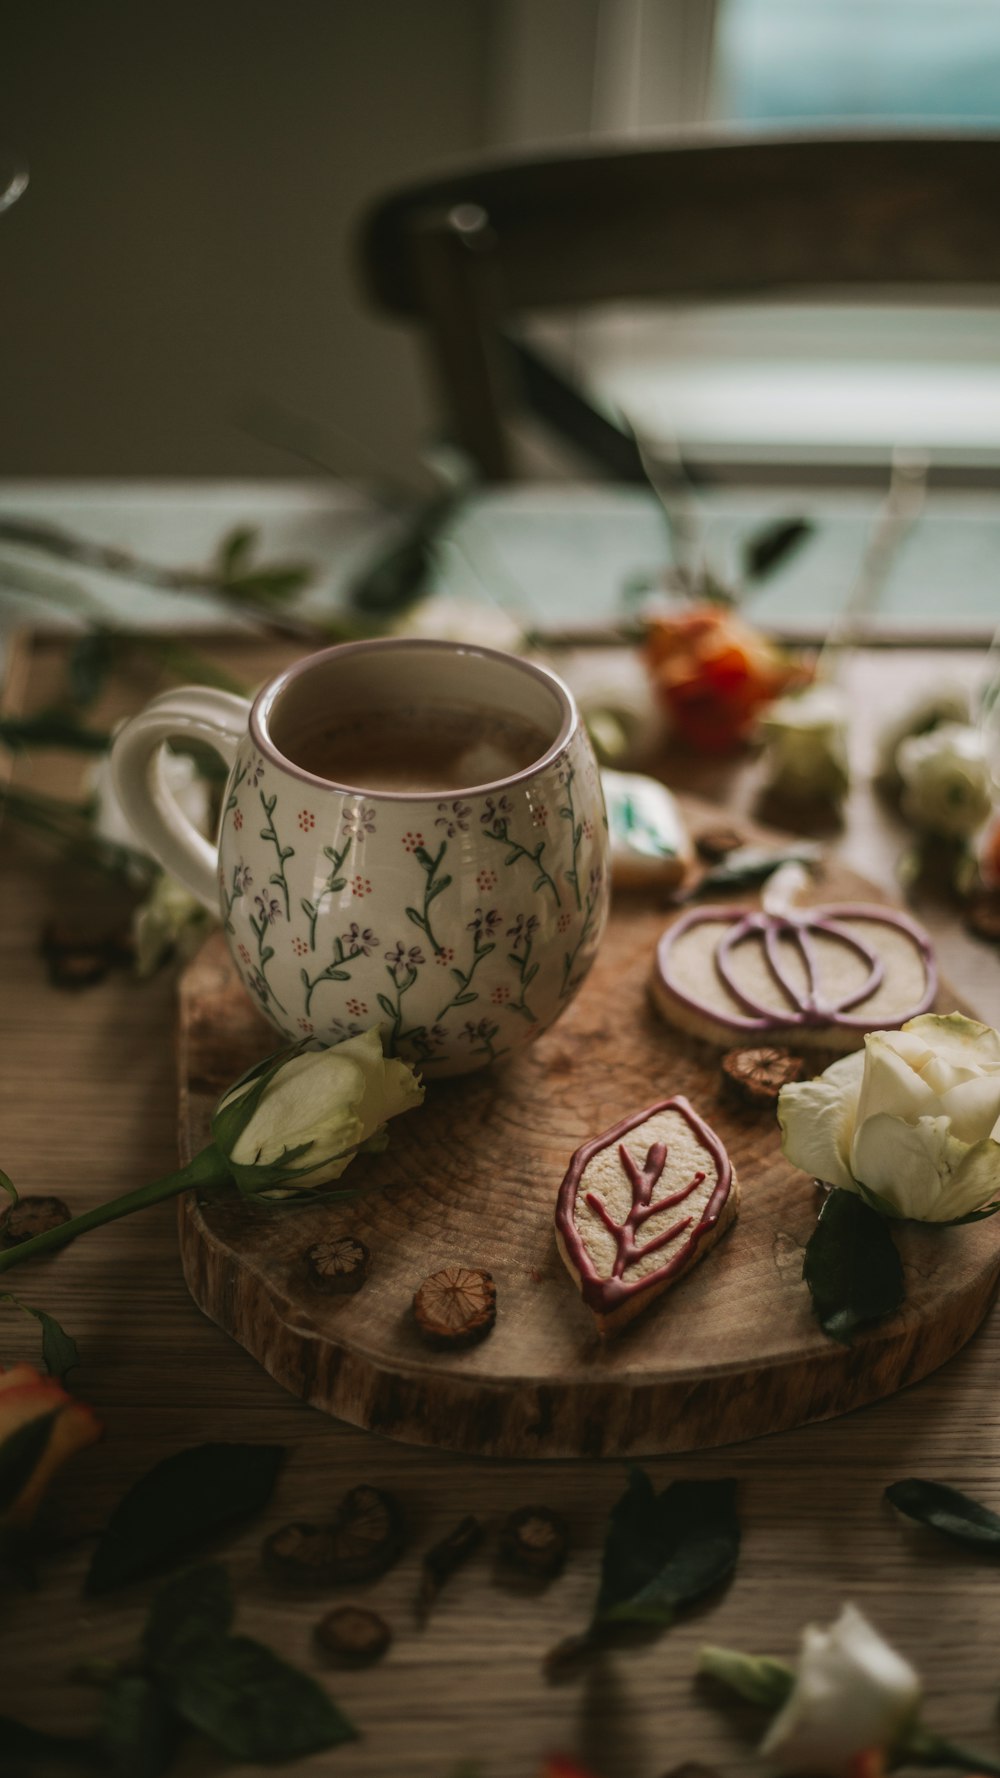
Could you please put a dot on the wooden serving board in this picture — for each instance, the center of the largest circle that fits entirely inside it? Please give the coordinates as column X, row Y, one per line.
column 471, row 1178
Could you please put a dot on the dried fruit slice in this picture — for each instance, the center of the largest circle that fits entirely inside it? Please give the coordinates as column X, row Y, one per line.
column 534, row 1540
column 367, row 1534
column 351, row 1636
column 756, row 1077
column 456, row 1306
column 633, row 1216
column 339, row 1266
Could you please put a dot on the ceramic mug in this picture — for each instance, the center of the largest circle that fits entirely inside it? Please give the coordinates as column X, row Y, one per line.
column 461, row 921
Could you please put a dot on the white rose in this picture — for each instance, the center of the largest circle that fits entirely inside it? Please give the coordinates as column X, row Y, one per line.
column 947, row 786
column 912, row 1122
column 298, row 1123
column 950, row 703
column 181, row 777
column 852, row 1693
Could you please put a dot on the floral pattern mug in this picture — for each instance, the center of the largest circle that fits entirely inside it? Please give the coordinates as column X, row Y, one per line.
column 460, row 921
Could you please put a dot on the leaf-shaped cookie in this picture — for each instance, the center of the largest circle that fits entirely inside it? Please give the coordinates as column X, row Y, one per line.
column 640, row 1205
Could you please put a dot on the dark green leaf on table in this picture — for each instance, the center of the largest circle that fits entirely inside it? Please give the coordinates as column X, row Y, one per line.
column 851, row 1266
column 92, row 659
column 23, row 1748
column 748, row 866
column 236, row 550
column 7, row 1185
column 252, row 1704
column 191, row 1606
column 766, row 549
column 52, row 728
column 139, row 1729
column 661, row 1553
column 945, row 1509
column 184, row 1499
column 922, row 1748
column 59, row 1350
column 21, row 1453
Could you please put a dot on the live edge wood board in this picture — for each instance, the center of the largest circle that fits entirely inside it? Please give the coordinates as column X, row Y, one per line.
column 732, row 1352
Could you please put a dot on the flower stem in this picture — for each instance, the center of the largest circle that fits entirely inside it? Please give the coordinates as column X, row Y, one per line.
column 208, row 1168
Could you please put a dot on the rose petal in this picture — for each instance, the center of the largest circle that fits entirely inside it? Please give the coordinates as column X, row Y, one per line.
column 911, row 1166
column 817, row 1122
column 974, row 1184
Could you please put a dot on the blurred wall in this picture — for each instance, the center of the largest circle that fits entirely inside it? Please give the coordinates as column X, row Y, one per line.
column 182, row 260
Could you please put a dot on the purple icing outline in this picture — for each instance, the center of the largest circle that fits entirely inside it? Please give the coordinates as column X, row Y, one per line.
column 823, row 919
column 606, row 1294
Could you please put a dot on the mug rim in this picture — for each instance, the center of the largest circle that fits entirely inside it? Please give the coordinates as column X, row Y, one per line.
column 268, row 695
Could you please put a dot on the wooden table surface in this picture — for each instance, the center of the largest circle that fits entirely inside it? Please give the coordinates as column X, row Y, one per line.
column 87, row 1109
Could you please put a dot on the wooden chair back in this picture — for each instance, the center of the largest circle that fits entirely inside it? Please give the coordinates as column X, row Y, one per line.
column 689, row 219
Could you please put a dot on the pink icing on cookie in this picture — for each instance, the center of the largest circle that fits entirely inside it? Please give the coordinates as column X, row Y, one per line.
column 603, row 1293
column 809, row 1008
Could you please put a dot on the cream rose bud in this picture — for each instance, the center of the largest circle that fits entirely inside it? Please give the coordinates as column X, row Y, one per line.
column 912, row 1123
column 853, row 1693
column 947, row 787
column 297, row 1123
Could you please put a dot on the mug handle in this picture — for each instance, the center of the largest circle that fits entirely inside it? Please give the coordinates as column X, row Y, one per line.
column 191, row 713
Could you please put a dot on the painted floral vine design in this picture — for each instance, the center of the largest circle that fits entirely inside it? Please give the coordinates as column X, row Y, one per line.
column 433, row 887
column 482, row 926
column 403, row 966
column 352, row 944
column 568, row 812
column 522, row 936
column 278, row 877
column 268, row 911
column 495, row 820
column 591, row 902
column 240, row 774
column 481, row 1037
column 242, row 879
column 357, row 820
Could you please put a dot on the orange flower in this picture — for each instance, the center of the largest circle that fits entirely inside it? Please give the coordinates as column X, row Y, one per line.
column 713, row 673
column 40, row 1426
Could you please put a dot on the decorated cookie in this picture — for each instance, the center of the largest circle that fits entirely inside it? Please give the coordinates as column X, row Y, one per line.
column 821, row 976
column 649, row 842
column 640, row 1205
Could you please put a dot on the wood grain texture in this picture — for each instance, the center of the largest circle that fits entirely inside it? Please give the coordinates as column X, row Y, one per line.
column 471, row 1178
column 88, row 1108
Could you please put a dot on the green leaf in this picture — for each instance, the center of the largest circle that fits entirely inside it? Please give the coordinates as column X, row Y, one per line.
column 52, row 728
column 252, row 1704
column 7, row 1185
column 945, row 1509
column 464, row 999
column 59, row 1350
column 664, row 1550
column 21, row 1453
column 24, row 1747
column 922, row 1748
column 765, row 549
column 270, row 585
column 386, row 1004
column 661, row 1552
column 193, row 1605
column 851, row 1266
column 91, row 660
column 139, row 1730
column 235, row 551
column 189, row 1496
column 757, row 1678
